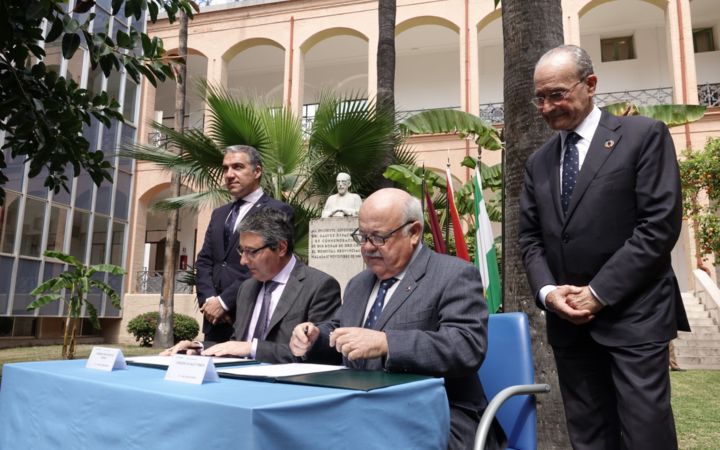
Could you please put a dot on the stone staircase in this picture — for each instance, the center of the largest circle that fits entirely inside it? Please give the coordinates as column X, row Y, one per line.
column 699, row 349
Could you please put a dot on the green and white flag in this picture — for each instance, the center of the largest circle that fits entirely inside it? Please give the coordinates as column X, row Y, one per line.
column 485, row 254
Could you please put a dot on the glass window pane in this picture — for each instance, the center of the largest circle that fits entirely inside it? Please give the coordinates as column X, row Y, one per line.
column 75, row 66
column 104, row 195
column 51, row 270
column 113, row 85
column 27, row 280
column 79, row 236
column 53, row 57
column 36, row 185
column 95, row 80
column 129, row 103
column 122, row 195
column 56, row 229
column 63, row 196
column 95, row 296
column 99, row 240
column 84, row 191
column 30, row 244
column 6, row 267
column 115, row 282
column 118, row 241
column 100, row 25
column 6, row 324
column 8, row 222
column 127, row 137
column 14, row 171
column 91, row 133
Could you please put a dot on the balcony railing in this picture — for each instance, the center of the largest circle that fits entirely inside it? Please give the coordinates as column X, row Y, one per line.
column 640, row 97
column 709, row 94
column 150, row 282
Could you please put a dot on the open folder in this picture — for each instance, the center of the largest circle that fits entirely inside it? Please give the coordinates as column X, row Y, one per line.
column 163, row 362
column 321, row 375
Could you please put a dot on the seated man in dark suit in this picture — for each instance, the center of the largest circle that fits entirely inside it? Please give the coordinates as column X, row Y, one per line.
column 281, row 293
column 433, row 322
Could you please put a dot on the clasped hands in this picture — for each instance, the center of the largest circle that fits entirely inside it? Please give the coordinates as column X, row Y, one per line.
column 214, row 312
column 576, row 304
column 353, row 342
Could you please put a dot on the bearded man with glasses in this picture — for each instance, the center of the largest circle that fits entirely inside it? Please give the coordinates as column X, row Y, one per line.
column 412, row 310
column 281, row 293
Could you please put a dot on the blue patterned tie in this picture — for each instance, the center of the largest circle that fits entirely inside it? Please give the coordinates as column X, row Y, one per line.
column 230, row 221
column 378, row 304
column 264, row 317
column 571, row 168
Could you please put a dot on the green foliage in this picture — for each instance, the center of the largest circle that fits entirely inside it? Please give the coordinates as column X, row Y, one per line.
column 699, row 174
column 144, row 326
column 349, row 134
column 72, row 287
column 671, row 115
column 42, row 114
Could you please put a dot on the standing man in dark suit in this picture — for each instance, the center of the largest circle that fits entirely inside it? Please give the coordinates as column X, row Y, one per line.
column 412, row 310
column 281, row 293
column 600, row 212
column 219, row 273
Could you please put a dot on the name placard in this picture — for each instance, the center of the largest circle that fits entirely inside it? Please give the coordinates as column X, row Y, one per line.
column 191, row 369
column 106, row 359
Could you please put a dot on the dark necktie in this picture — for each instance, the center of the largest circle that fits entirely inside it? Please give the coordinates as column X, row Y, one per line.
column 379, row 300
column 230, row 221
column 571, row 168
column 264, row 317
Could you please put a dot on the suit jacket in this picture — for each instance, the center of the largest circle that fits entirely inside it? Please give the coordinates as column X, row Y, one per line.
column 218, row 267
column 310, row 295
column 435, row 323
column 623, row 220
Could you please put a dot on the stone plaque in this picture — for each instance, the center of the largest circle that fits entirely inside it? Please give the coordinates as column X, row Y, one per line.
column 332, row 250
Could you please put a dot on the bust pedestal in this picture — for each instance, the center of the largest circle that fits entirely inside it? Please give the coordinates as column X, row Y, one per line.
column 332, row 250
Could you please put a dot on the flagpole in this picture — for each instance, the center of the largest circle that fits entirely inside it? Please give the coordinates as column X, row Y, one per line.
column 423, row 185
column 447, row 207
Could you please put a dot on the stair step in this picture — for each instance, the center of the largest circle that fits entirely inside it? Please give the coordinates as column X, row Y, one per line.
column 690, row 341
column 703, row 361
column 697, row 314
column 694, row 307
column 697, row 351
column 700, row 367
column 704, row 322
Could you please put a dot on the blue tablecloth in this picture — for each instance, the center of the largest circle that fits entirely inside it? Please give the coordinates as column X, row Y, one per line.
column 63, row 405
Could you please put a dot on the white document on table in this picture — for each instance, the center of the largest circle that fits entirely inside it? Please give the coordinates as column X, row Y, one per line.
column 280, row 370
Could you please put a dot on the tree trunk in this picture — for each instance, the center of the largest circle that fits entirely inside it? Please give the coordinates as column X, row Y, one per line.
column 386, row 71
column 164, row 333
column 530, row 28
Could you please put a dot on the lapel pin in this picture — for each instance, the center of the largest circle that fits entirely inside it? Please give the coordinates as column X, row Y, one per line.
column 609, row 143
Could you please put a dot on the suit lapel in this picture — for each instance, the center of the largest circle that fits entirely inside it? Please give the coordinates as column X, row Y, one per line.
column 415, row 271
column 245, row 308
column 290, row 293
column 602, row 145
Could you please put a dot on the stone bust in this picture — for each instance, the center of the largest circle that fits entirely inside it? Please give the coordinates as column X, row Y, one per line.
column 344, row 203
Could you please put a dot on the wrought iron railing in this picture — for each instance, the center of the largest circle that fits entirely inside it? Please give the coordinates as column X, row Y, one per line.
column 709, row 94
column 493, row 113
column 151, row 281
column 657, row 96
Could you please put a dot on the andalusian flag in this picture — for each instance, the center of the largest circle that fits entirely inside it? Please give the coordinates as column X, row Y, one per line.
column 485, row 255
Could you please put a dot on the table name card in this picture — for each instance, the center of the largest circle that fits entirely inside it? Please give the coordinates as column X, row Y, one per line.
column 106, row 359
column 191, row 369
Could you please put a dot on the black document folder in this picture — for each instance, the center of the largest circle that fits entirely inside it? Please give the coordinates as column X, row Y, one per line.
column 359, row 380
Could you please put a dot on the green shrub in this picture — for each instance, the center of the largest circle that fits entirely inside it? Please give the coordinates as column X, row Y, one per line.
column 143, row 327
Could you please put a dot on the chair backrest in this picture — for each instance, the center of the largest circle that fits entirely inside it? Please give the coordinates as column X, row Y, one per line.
column 509, row 362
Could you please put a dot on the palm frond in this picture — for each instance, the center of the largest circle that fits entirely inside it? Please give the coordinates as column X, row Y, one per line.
column 447, row 121
column 233, row 121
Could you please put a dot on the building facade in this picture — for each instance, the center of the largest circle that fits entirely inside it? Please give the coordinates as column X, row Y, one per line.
column 449, row 55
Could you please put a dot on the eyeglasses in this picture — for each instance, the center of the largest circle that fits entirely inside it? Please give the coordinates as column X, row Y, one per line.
column 377, row 240
column 554, row 97
column 251, row 253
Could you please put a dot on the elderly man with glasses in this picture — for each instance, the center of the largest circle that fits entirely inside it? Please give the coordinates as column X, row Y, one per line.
column 412, row 310
column 600, row 213
column 281, row 293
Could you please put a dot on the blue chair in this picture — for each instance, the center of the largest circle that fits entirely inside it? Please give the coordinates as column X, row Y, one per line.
column 508, row 377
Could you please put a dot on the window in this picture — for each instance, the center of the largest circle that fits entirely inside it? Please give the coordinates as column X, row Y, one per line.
column 617, row 49
column 703, row 40
column 32, row 228
column 56, row 230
